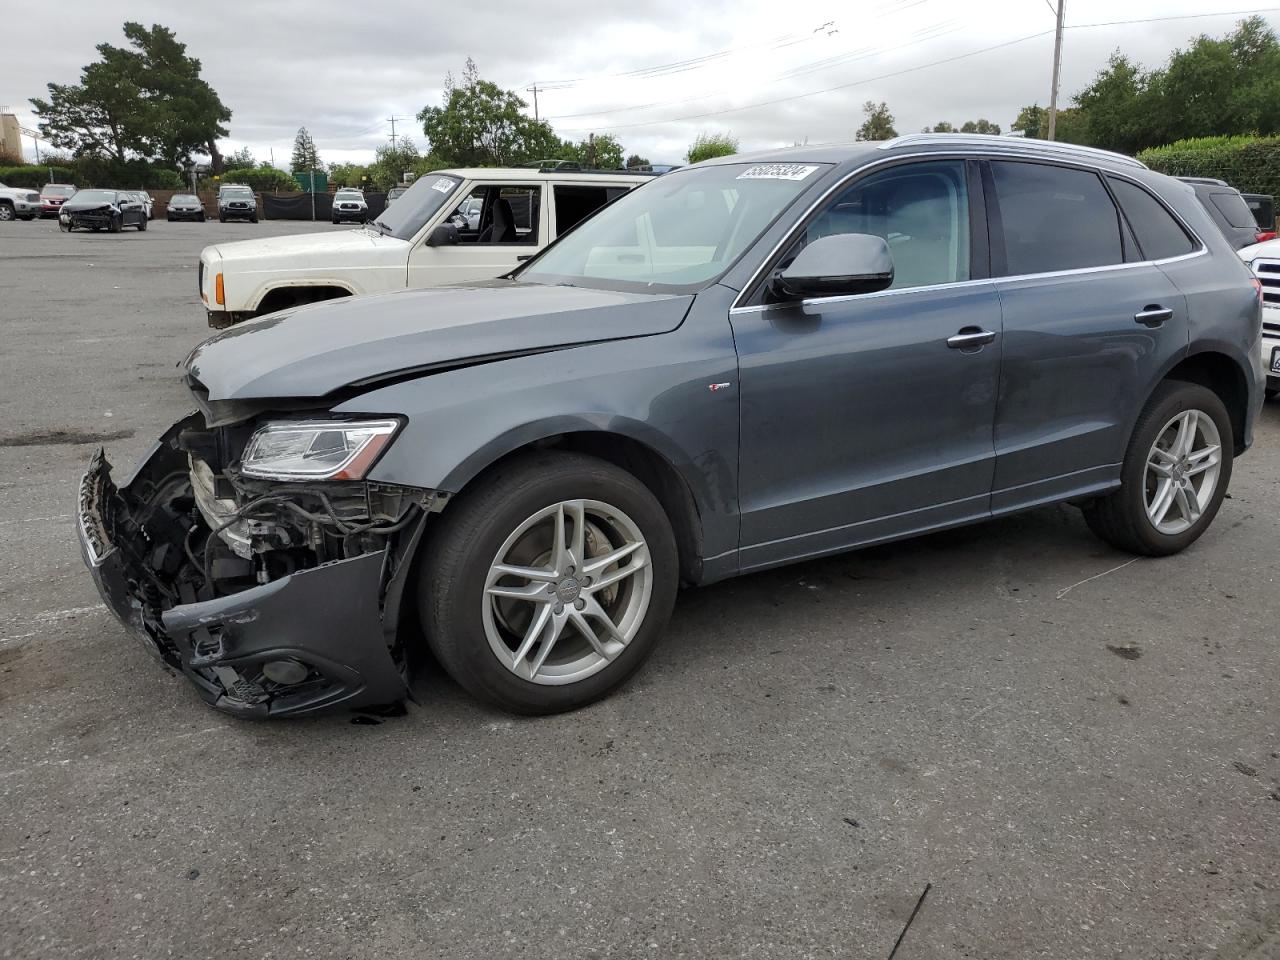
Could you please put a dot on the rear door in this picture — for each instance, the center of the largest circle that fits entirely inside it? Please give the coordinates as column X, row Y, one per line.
column 481, row 252
column 1090, row 323
column 574, row 202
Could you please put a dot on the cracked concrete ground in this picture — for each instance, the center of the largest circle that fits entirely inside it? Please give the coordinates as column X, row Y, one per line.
column 1081, row 765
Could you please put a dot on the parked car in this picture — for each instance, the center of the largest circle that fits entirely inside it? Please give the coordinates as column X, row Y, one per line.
column 185, row 206
column 237, row 202
column 349, row 204
column 53, row 196
column 1264, row 260
column 426, row 238
column 1227, row 208
column 752, row 361
column 19, row 203
column 1263, row 209
column 143, row 198
column 398, row 191
column 111, row 210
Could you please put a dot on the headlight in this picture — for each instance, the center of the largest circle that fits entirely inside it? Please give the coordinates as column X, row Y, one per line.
column 316, row 450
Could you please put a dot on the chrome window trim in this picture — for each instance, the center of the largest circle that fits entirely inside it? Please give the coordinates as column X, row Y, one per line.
column 987, row 140
column 982, row 154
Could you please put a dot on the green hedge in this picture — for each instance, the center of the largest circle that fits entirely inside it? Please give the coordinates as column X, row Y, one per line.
column 261, row 179
column 1250, row 164
column 33, row 177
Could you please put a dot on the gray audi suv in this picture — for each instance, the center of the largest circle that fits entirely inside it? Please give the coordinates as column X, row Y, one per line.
column 748, row 362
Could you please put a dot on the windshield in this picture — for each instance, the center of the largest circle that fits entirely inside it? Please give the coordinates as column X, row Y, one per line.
column 236, row 192
column 678, row 232
column 417, row 205
column 183, row 198
column 96, row 196
column 58, row 190
column 349, row 195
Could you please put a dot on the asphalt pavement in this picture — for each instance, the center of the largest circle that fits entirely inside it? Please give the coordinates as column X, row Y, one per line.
column 1078, row 751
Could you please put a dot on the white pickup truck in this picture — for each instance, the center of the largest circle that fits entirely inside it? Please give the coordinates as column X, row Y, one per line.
column 429, row 237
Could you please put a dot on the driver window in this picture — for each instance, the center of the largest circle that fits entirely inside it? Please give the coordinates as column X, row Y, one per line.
column 921, row 210
column 496, row 214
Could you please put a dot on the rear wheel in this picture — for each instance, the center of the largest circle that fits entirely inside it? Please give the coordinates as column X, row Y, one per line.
column 1174, row 476
column 548, row 585
column 6, row 211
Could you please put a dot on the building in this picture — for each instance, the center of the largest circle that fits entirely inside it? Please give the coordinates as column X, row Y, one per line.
column 10, row 135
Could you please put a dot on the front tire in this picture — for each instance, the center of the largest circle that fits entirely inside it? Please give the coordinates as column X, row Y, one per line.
column 1174, row 476
column 142, row 224
column 537, row 623
column 117, row 224
column 6, row 212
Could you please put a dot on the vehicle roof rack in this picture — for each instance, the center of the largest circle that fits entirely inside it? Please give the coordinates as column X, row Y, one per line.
column 1034, row 145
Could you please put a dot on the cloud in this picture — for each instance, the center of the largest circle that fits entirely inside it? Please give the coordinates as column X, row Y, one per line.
column 341, row 71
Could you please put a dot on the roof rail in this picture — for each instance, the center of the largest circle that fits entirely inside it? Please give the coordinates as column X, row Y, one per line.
column 1040, row 146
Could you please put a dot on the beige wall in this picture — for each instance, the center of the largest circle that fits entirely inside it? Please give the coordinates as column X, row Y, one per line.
column 10, row 135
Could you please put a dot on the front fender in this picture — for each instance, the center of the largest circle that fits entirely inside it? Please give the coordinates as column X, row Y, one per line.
column 654, row 390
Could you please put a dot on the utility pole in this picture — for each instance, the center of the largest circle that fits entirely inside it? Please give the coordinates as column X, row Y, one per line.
column 534, row 88
column 392, row 121
column 1057, row 72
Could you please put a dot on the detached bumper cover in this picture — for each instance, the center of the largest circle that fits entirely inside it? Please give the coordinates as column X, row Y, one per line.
column 333, row 619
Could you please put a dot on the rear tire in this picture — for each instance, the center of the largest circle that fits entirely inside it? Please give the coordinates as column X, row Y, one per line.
column 1127, row 518
column 489, row 643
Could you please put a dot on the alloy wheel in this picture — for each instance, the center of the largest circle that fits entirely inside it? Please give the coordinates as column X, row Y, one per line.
column 1182, row 471
column 567, row 591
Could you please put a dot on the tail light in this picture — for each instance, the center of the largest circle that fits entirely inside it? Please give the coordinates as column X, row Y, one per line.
column 1265, row 235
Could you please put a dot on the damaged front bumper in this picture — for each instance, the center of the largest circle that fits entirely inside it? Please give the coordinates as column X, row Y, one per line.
column 312, row 640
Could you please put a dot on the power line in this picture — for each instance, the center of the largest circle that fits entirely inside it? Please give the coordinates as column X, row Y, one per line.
column 898, row 73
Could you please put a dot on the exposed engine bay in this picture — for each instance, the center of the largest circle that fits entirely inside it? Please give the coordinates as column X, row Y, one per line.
column 223, row 573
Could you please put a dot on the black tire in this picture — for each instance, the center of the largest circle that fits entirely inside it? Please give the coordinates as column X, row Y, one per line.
column 1120, row 518
column 170, row 218
column 142, row 224
column 221, row 218
column 117, row 224
column 6, row 211
column 201, row 218
column 335, row 223
column 28, row 219
column 1272, row 392
column 459, row 551
column 253, row 219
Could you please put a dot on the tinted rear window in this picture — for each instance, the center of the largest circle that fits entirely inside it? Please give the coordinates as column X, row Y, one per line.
column 1158, row 233
column 1233, row 208
column 1055, row 218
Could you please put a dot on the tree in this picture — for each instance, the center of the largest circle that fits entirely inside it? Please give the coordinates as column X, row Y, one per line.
column 942, row 127
column 146, row 99
column 879, row 122
column 980, row 126
column 241, row 158
column 349, row 174
column 1029, row 119
column 708, row 145
column 305, row 156
column 635, row 160
column 390, row 163
column 482, row 125
column 602, row 152
column 1115, row 106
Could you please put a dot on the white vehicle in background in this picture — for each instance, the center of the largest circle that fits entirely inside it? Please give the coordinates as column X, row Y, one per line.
column 425, row 239
column 1264, row 259
column 349, row 204
column 19, row 203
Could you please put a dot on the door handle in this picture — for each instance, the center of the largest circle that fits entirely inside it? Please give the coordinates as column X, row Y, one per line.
column 523, row 257
column 1152, row 315
column 970, row 337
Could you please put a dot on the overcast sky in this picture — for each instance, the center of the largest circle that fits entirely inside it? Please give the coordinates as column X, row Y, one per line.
column 743, row 66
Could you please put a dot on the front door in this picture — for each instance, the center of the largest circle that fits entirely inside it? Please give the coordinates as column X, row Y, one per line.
column 870, row 417
column 499, row 227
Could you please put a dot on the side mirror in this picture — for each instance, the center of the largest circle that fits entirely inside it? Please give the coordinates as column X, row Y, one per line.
column 843, row 263
column 442, row 235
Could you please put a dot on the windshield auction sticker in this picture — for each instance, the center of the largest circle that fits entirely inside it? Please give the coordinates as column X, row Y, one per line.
column 444, row 185
column 778, row 171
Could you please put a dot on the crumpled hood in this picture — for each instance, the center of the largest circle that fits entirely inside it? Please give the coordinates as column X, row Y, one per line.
column 83, row 206
column 314, row 350
column 337, row 246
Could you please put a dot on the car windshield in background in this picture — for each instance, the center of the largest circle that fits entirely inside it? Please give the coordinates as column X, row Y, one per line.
column 676, row 233
column 56, row 191
column 183, row 198
column 418, row 205
column 96, row 196
column 236, row 192
column 349, row 195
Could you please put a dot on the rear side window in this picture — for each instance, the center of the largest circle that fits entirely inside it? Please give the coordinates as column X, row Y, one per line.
column 1159, row 234
column 1233, row 208
column 1054, row 218
column 575, row 202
